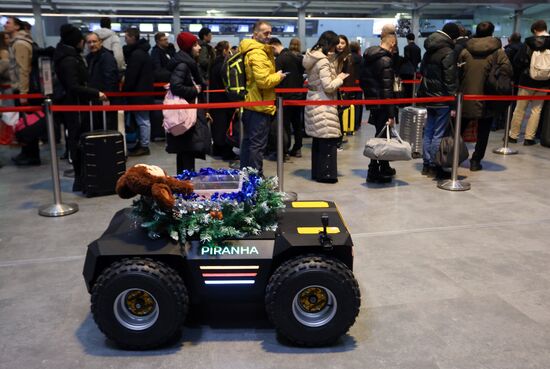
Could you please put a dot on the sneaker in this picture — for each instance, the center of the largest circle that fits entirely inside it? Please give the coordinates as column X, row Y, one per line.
column 140, row 151
column 475, row 166
column 528, row 142
column 511, row 140
column 340, row 148
column 296, row 153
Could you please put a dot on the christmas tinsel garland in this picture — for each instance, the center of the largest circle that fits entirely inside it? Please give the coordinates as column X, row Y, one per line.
column 222, row 216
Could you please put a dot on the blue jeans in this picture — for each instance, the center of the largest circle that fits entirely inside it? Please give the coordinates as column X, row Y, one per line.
column 434, row 131
column 144, row 124
column 255, row 137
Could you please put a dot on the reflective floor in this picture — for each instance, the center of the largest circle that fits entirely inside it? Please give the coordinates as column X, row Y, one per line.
column 449, row 280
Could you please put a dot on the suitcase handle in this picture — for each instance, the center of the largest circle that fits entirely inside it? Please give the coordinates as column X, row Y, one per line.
column 104, row 116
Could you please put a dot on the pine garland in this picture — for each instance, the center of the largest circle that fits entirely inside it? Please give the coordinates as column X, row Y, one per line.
column 213, row 220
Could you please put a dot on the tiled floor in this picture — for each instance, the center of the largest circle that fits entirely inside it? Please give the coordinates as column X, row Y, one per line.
column 448, row 280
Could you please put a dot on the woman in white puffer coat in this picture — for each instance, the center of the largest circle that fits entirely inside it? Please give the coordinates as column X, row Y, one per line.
column 321, row 121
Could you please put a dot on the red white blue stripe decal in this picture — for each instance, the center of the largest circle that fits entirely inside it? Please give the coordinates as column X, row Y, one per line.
column 227, row 274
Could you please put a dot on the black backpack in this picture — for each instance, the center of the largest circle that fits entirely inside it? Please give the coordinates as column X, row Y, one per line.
column 497, row 82
column 234, row 77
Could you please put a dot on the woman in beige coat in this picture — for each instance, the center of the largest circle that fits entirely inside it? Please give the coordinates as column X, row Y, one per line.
column 321, row 121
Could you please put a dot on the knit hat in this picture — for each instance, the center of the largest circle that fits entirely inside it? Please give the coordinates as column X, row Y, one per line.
column 186, row 41
column 70, row 35
column 452, row 30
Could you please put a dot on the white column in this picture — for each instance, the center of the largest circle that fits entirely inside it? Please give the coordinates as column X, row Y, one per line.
column 415, row 22
column 38, row 28
column 176, row 22
column 517, row 20
column 302, row 27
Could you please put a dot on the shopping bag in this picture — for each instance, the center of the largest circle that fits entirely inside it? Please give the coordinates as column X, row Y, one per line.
column 391, row 149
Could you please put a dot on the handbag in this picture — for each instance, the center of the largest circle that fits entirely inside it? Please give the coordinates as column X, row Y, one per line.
column 391, row 149
column 6, row 133
column 444, row 156
column 232, row 136
column 201, row 136
column 177, row 121
column 30, row 126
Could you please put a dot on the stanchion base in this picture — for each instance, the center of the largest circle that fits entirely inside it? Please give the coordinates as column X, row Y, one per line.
column 57, row 210
column 291, row 196
column 451, row 185
column 505, row 151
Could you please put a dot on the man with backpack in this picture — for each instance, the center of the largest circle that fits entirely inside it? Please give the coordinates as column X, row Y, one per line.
column 533, row 60
column 482, row 56
column 261, row 79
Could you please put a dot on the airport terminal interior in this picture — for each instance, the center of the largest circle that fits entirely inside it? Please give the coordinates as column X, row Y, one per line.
column 448, row 279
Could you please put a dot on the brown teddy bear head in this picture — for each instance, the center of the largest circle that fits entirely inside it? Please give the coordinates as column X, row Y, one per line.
column 151, row 181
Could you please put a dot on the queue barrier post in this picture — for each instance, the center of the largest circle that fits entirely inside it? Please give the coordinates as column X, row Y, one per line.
column 505, row 150
column 289, row 196
column 57, row 209
column 454, row 184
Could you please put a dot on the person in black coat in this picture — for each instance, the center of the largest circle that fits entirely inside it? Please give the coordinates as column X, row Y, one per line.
column 103, row 75
column 411, row 58
column 221, row 118
column 353, row 80
column 138, row 78
column 72, row 89
column 511, row 50
column 439, row 78
column 187, row 83
column 377, row 77
column 291, row 65
column 161, row 54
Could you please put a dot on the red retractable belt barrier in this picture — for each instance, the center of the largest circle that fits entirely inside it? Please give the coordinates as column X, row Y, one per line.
column 533, row 89
column 411, row 81
column 20, row 96
column 20, row 109
column 369, row 102
column 79, row 108
column 504, row 98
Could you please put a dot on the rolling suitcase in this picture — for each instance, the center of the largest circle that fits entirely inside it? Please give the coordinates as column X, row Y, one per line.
column 348, row 120
column 157, row 130
column 103, row 160
column 411, row 130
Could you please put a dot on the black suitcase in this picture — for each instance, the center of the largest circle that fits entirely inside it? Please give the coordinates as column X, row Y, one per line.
column 157, row 130
column 103, row 160
column 544, row 125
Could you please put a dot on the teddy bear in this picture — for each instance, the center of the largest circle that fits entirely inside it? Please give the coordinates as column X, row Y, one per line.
column 152, row 181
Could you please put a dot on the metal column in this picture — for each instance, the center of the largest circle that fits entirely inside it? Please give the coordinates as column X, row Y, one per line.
column 454, row 184
column 38, row 34
column 56, row 209
column 302, row 27
column 176, row 21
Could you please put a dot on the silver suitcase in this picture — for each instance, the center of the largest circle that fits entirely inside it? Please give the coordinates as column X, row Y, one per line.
column 411, row 127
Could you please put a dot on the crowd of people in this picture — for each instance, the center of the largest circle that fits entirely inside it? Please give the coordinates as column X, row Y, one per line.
column 454, row 60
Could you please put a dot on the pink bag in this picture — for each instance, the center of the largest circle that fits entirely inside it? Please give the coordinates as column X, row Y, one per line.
column 177, row 121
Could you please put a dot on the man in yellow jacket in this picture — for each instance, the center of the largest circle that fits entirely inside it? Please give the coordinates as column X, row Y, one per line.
column 261, row 79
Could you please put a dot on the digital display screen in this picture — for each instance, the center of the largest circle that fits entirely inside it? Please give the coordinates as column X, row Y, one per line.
column 214, row 27
column 146, row 27
column 289, row 29
column 117, row 27
column 164, row 27
column 93, row 26
column 380, row 23
column 195, row 27
column 242, row 28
